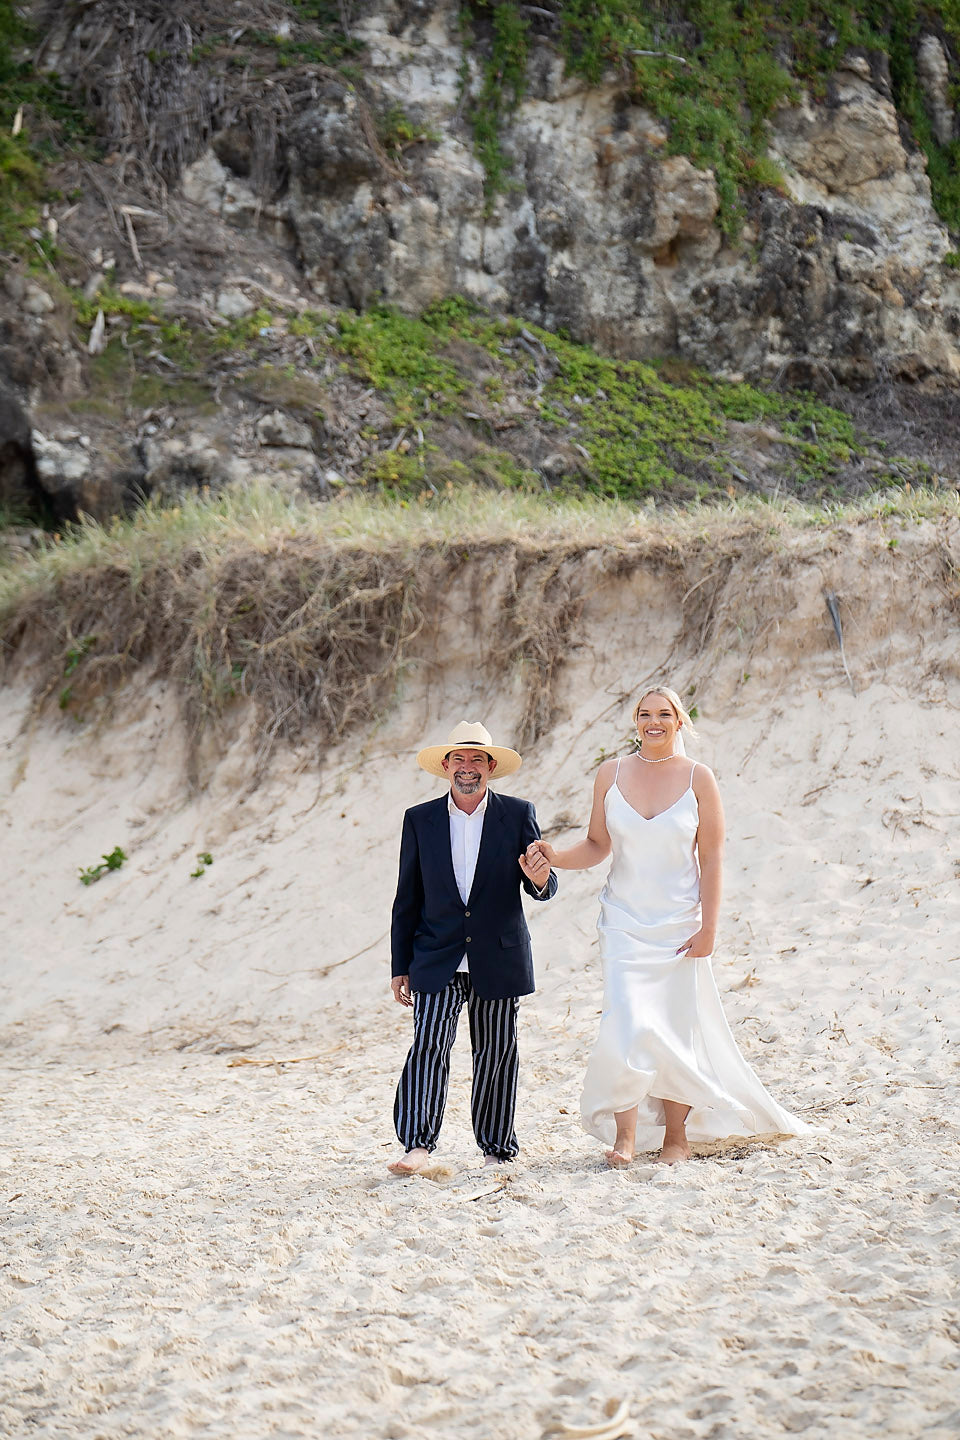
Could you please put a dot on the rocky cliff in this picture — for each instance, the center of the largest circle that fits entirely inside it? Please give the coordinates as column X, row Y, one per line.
column 605, row 233
column 258, row 167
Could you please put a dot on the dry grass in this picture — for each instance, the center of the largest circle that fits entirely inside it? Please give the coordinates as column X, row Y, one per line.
column 312, row 610
column 163, row 76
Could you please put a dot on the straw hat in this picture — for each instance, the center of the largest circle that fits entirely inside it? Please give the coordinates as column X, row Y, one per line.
column 468, row 735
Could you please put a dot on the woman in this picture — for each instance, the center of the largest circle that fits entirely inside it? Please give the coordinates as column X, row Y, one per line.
column 665, row 1060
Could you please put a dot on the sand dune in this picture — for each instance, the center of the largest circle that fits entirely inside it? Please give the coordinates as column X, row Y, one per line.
column 198, row 1246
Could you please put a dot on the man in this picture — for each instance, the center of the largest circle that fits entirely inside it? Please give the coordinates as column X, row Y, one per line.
column 458, row 936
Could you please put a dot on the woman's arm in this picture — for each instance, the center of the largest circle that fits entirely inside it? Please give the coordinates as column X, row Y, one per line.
column 596, row 846
column 710, row 836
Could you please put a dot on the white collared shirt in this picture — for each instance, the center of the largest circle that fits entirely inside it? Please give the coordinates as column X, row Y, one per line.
column 465, row 833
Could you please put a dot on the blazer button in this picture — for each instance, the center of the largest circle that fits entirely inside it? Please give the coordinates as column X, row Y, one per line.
column 467, row 941
column 467, row 914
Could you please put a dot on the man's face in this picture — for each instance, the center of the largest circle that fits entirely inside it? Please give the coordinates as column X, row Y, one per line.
column 469, row 770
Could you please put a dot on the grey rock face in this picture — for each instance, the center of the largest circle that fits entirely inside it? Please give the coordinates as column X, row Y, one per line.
column 36, row 301
column 933, row 71
column 282, row 430
column 62, row 465
column 177, row 465
column 606, row 234
column 233, row 304
column 336, row 201
column 74, row 481
column 19, row 490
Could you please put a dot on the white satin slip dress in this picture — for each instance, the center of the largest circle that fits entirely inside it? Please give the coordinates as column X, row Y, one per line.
column 663, row 1034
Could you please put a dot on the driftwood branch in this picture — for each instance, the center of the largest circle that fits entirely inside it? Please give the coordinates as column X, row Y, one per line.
column 664, row 54
column 834, row 610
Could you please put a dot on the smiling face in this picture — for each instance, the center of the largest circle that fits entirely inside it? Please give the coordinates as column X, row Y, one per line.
column 657, row 723
column 469, row 770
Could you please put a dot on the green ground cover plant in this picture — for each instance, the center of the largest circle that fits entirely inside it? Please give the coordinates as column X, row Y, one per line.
column 90, row 874
column 400, row 355
column 642, row 433
column 204, row 859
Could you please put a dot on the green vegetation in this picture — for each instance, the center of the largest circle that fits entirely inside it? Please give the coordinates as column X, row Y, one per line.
column 644, row 433
column 38, row 123
column 904, row 21
column 203, row 860
column 615, row 427
column 635, row 431
column 425, row 473
column 396, row 132
column 76, row 653
column 113, row 861
column 714, row 71
column 503, row 85
column 397, row 476
column 319, row 37
column 400, row 356
column 142, row 335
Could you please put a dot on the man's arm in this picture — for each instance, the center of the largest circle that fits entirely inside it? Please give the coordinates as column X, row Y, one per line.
column 408, row 904
column 530, row 831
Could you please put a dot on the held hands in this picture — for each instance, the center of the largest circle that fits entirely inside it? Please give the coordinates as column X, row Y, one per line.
column 544, row 850
column 400, row 985
column 535, row 865
column 698, row 946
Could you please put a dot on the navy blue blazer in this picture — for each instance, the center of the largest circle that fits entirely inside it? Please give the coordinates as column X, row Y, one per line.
column 432, row 928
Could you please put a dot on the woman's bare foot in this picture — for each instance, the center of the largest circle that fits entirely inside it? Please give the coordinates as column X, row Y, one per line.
column 626, row 1141
column 410, row 1163
column 675, row 1147
column 674, row 1151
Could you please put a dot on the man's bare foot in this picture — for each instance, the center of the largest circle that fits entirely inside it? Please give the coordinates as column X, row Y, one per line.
column 619, row 1157
column 673, row 1151
column 410, row 1163
column 491, row 1161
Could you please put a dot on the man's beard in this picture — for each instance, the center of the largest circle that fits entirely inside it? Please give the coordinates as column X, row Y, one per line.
column 466, row 787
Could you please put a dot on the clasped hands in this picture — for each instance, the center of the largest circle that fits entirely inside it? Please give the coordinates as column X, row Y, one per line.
column 535, row 864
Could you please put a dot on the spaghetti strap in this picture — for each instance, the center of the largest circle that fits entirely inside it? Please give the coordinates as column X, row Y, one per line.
column 692, row 769
column 617, row 774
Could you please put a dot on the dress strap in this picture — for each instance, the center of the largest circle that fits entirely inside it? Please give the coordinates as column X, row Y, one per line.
column 692, row 769
column 617, row 774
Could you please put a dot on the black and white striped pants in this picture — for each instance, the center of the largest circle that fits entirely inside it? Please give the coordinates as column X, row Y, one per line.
column 422, row 1091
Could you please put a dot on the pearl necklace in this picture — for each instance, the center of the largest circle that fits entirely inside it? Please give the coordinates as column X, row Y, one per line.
column 647, row 759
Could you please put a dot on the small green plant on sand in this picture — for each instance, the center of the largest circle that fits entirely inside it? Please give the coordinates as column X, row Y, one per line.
column 76, row 653
column 113, row 861
column 203, row 860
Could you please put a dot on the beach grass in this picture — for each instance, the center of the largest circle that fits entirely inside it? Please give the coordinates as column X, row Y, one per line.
column 258, row 517
column 315, row 611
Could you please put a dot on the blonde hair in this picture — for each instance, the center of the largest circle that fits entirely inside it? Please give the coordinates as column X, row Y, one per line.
column 675, row 701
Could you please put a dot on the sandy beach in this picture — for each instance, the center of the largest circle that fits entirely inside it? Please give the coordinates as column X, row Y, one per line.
column 199, row 1233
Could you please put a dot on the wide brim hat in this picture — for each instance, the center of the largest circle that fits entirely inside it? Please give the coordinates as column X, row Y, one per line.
column 468, row 735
